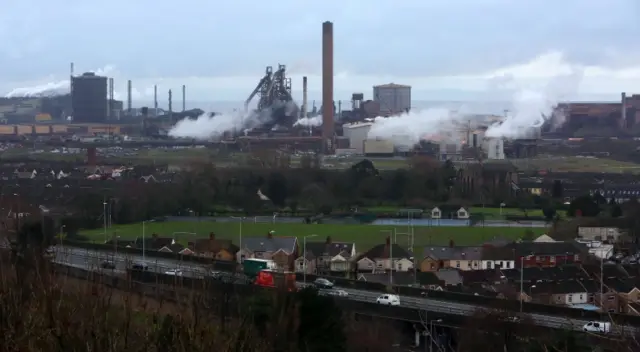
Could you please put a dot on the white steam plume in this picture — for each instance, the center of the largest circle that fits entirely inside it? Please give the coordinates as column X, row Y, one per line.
column 206, row 126
column 313, row 121
column 408, row 129
column 536, row 87
column 51, row 89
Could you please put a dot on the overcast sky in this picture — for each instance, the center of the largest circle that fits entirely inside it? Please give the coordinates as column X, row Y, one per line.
column 454, row 50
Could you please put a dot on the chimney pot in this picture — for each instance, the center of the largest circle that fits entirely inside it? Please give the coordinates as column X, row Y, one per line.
column 270, row 235
column 212, row 236
column 328, row 239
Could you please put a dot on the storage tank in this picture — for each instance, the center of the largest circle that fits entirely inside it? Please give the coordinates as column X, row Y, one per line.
column 378, row 147
column 393, row 98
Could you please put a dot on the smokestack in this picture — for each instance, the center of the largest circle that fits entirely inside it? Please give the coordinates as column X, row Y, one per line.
column 184, row 98
column 110, row 102
column 129, row 97
column 304, row 97
column 170, row 105
column 624, row 109
column 327, row 86
column 155, row 100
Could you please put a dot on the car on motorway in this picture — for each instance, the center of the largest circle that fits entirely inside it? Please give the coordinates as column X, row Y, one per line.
column 387, row 299
column 173, row 272
column 323, row 283
column 108, row 264
column 139, row 266
column 597, row 327
column 337, row 293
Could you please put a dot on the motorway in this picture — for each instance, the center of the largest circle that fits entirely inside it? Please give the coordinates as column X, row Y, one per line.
column 91, row 260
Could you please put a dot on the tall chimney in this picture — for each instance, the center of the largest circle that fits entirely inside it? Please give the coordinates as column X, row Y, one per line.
column 624, row 110
column 184, row 98
column 170, row 105
column 327, row 86
column 155, row 100
column 129, row 97
column 110, row 100
column 304, row 97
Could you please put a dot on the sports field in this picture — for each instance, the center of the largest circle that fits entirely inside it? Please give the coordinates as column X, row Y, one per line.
column 365, row 236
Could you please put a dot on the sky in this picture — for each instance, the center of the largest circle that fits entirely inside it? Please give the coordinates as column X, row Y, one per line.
column 446, row 50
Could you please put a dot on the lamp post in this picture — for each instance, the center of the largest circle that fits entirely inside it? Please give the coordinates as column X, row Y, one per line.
column 143, row 241
column 241, row 218
column 304, row 258
column 104, row 218
column 431, row 324
column 531, row 291
column 521, row 280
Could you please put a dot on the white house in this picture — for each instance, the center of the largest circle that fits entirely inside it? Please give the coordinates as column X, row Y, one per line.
column 436, row 213
column 366, row 264
column 402, row 264
column 462, row 213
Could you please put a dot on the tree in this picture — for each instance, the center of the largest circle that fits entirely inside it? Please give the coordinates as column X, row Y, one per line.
column 584, row 206
column 557, row 191
column 277, row 188
column 321, row 327
column 549, row 213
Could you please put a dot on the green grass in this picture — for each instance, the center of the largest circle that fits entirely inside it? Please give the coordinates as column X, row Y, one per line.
column 365, row 236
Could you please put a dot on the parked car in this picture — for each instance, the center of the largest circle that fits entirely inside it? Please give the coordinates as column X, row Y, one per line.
column 597, row 327
column 140, row 266
column 323, row 283
column 174, row 272
column 391, row 300
column 108, row 264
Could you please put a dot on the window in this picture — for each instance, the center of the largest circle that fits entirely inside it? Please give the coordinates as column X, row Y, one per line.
column 379, row 264
column 399, row 266
column 569, row 298
column 581, row 297
column 576, row 257
column 458, row 265
column 611, row 297
column 433, row 265
column 552, row 258
column 436, row 214
column 538, row 258
column 612, row 310
column 469, row 264
column 489, row 265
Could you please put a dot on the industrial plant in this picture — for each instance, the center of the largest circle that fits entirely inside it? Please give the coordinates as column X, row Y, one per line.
column 277, row 121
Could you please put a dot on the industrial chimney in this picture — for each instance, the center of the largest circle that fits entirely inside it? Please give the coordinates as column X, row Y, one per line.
column 110, row 100
column 327, row 86
column 624, row 109
column 170, row 106
column 184, row 98
column 304, row 97
column 155, row 100
column 129, row 97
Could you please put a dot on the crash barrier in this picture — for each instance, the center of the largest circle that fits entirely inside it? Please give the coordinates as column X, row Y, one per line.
column 215, row 264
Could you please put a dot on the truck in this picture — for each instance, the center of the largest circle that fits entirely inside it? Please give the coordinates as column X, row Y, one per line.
column 253, row 266
column 283, row 280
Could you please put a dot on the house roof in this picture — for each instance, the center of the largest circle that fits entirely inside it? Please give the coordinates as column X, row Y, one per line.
column 213, row 245
column 452, row 253
column 383, row 250
column 154, row 242
column 449, row 276
column 497, row 253
column 561, row 287
column 523, row 249
column 330, row 248
column 176, row 247
column 270, row 244
column 480, row 276
column 539, row 274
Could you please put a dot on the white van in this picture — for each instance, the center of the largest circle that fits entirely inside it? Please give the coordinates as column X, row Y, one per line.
column 391, row 300
column 598, row 327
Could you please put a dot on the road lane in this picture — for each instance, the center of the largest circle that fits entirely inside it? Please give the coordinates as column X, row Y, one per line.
column 92, row 259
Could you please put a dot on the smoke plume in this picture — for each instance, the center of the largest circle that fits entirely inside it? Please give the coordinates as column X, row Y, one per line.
column 51, row 89
column 408, row 129
column 313, row 121
column 208, row 126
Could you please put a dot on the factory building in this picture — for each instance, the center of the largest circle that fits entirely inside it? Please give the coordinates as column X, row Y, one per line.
column 393, row 98
column 89, row 98
column 357, row 134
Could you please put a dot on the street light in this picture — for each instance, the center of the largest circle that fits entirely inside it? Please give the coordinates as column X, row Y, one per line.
column 431, row 324
column 104, row 218
column 391, row 241
column 143, row 241
column 530, row 291
column 304, row 257
column 241, row 218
